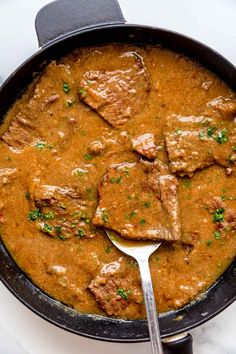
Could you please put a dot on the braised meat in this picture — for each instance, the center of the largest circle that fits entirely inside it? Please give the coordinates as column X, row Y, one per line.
column 60, row 211
column 196, row 142
column 139, row 201
column 117, row 95
column 116, row 291
column 225, row 106
column 145, row 145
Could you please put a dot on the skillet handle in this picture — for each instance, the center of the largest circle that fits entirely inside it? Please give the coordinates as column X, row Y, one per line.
column 62, row 17
column 179, row 344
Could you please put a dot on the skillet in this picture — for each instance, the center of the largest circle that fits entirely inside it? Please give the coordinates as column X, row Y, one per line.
column 62, row 26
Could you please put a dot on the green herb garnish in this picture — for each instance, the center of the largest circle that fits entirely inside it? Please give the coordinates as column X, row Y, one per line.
column 123, row 293
column 209, row 243
column 27, row 195
column 82, row 91
column 218, row 215
column 88, row 157
column 201, row 136
column 41, row 145
column 178, row 131
column 81, row 232
column 116, row 180
column 142, row 221
column 217, row 235
column 66, row 87
column 58, row 229
column 211, row 131
column 105, row 218
column 34, row 214
column 147, row 204
column 47, row 229
column 108, row 249
column 49, row 216
column 222, row 136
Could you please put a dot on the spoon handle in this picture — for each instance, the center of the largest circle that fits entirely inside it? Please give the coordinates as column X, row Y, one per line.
column 150, row 304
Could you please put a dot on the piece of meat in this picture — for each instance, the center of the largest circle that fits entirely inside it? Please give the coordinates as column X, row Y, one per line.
column 31, row 119
column 117, row 95
column 196, row 142
column 135, row 207
column 145, row 145
column 226, row 106
column 20, row 133
column 116, row 291
column 60, row 212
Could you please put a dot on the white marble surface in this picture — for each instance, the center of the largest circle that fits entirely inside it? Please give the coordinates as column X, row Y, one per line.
column 210, row 21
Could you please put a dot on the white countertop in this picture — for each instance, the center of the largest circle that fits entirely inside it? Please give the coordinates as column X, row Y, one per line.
column 210, row 21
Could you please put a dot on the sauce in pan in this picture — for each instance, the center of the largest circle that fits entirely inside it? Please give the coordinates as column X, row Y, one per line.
column 139, row 140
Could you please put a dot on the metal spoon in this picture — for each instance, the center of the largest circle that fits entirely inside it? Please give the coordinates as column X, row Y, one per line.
column 141, row 251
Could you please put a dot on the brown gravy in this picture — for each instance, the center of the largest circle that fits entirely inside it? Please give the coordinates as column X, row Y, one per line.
column 55, row 150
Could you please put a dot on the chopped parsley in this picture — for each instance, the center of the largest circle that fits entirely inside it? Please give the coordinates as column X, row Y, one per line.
column 84, row 217
column 87, row 157
column 66, row 87
column 82, row 91
column 58, row 229
column 81, row 232
column 131, row 215
column 209, row 243
column 147, row 204
column 49, row 216
column 27, row 195
column 225, row 197
column 116, row 180
column 211, row 131
column 123, row 293
column 47, row 229
column 41, row 145
column 234, row 147
column 218, row 215
column 142, row 221
column 34, row 214
column 201, row 136
column 61, row 237
column 222, row 136
column 178, row 131
column 105, row 218
column 217, row 235
column 108, row 249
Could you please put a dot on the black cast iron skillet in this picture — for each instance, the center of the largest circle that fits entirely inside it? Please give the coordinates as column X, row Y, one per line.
column 62, row 26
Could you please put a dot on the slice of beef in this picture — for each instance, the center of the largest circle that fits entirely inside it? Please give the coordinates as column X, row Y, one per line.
column 30, row 119
column 145, row 145
column 20, row 133
column 196, row 142
column 60, row 212
column 225, row 106
column 117, row 292
column 119, row 94
column 139, row 201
